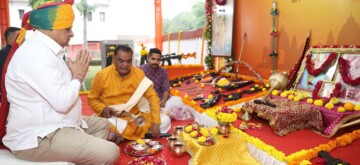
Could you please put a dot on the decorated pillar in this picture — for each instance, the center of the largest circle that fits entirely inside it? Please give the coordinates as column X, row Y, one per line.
column 158, row 24
column 273, row 52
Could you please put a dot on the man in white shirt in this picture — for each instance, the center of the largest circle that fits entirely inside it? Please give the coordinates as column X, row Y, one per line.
column 45, row 121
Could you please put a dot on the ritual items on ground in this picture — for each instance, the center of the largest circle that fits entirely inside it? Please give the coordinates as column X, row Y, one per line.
column 142, row 147
column 211, row 102
column 224, row 116
column 252, row 126
column 178, row 149
column 171, row 140
column 206, row 140
column 223, row 91
column 238, row 84
column 148, row 160
column 178, row 130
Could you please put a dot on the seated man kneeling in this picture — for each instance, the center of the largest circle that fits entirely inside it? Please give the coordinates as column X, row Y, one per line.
column 121, row 83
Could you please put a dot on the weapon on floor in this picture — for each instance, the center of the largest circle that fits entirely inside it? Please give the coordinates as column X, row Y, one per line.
column 330, row 160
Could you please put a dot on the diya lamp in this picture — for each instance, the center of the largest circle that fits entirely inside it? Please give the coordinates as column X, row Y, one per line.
column 178, row 149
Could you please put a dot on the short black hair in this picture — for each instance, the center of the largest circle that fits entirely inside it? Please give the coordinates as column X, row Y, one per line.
column 10, row 30
column 154, row 50
column 124, row 48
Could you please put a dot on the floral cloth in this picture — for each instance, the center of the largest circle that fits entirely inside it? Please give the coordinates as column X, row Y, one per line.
column 288, row 116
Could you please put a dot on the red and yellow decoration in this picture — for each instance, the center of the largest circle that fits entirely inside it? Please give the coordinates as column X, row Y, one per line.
column 310, row 65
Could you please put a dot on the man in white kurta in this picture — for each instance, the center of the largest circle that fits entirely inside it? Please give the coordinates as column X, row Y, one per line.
column 45, row 121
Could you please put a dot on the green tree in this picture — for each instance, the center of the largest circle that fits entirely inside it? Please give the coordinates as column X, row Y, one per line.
column 85, row 9
column 198, row 10
column 186, row 20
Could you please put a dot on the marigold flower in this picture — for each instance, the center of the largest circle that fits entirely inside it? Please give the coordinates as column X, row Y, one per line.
column 357, row 107
column 214, row 131
column 310, row 101
column 297, row 99
column 341, row 109
column 275, row 92
column 267, row 85
column 290, row 97
column 329, row 106
column 334, row 101
column 318, row 102
column 193, row 133
column 284, row 94
column 140, row 141
column 204, row 132
column 188, row 128
column 201, row 139
column 186, row 96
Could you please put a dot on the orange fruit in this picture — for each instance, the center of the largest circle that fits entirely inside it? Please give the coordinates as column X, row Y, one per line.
column 349, row 106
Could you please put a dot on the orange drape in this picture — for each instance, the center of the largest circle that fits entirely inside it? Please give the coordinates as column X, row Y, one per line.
column 158, row 25
column 4, row 19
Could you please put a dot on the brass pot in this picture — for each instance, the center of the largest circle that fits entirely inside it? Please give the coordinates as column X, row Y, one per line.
column 224, row 129
column 171, row 140
column 178, row 130
column 178, row 149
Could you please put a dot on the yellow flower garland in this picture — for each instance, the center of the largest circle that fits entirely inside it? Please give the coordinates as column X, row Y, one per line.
column 302, row 155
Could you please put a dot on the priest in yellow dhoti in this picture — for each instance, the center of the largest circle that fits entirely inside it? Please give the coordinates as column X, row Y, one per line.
column 123, row 85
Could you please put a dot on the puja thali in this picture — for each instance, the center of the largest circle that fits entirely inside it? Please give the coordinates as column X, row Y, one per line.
column 133, row 148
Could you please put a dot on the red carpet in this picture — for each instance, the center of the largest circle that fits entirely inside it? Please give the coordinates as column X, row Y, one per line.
column 292, row 142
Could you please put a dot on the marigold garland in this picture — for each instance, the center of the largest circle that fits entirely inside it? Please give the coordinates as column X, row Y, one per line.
column 310, row 65
column 297, row 157
column 335, row 92
column 187, row 66
column 344, row 67
column 185, row 56
column 208, row 33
